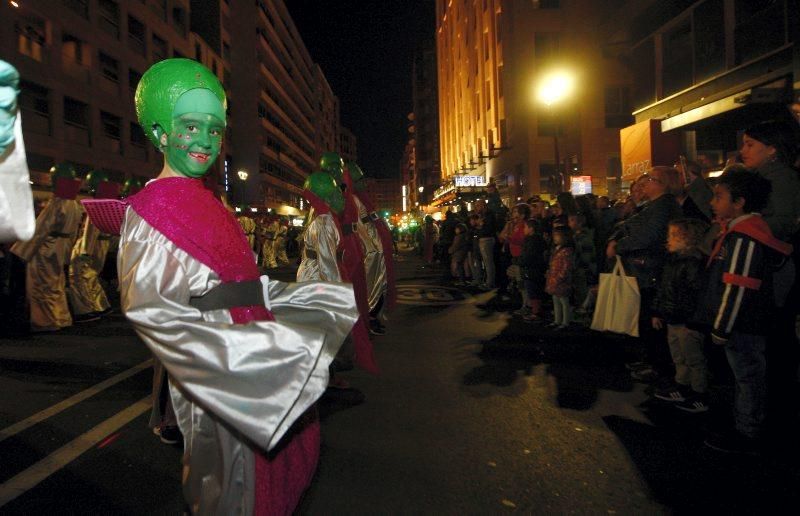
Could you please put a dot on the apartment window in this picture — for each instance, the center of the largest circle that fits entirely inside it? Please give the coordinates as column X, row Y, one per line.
column 79, row 7
column 35, row 105
column 546, row 4
column 262, row 110
column 136, row 36
column 159, row 49
column 138, row 138
column 546, row 44
column 76, row 122
column 72, row 49
column 109, row 67
column 30, row 37
column 709, row 40
column 179, row 20
column 677, row 58
column 112, row 125
column 109, row 17
column 644, row 71
column 133, row 78
column 618, row 107
column 760, row 27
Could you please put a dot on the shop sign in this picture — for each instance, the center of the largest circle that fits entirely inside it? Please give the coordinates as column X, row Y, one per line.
column 644, row 146
column 470, row 181
column 580, row 185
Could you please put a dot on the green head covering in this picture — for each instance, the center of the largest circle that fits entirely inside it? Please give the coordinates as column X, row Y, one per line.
column 131, row 185
column 324, row 186
column 94, row 178
column 333, row 164
column 356, row 174
column 163, row 85
column 65, row 170
column 9, row 89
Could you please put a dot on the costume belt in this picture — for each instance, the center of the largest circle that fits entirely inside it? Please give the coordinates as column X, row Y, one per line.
column 312, row 254
column 230, row 295
column 349, row 229
column 104, row 237
column 371, row 217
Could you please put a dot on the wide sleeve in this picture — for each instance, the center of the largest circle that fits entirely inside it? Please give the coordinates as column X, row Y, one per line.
column 257, row 377
column 323, row 237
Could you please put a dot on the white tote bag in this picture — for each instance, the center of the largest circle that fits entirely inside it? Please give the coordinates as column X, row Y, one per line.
column 618, row 301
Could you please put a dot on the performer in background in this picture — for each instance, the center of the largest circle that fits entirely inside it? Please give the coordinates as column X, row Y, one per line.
column 247, row 357
column 48, row 251
column 86, row 295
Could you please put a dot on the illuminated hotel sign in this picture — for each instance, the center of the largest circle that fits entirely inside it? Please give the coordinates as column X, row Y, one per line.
column 470, row 181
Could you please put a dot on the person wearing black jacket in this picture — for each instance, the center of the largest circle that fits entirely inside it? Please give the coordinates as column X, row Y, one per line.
column 486, row 234
column 674, row 305
column 533, row 266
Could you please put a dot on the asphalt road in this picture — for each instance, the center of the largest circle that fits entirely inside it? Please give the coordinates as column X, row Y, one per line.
column 474, row 412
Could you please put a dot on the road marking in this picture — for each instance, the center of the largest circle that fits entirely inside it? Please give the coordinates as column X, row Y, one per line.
column 431, row 295
column 30, row 477
column 72, row 400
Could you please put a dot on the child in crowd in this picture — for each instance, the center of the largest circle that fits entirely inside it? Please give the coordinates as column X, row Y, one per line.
column 585, row 260
column 458, row 254
column 559, row 276
column 674, row 305
column 738, row 302
column 533, row 265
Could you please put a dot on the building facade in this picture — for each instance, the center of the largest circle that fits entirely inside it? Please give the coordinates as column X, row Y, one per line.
column 426, row 122
column 78, row 58
column 491, row 56
column 703, row 72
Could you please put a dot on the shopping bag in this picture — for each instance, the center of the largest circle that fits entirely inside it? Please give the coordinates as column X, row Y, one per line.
column 618, row 302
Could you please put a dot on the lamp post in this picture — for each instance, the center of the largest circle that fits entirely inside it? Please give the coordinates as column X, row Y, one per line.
column 243, row 178
column 553, row 88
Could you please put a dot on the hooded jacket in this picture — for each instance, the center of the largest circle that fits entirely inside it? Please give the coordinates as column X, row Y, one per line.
column 739, row 294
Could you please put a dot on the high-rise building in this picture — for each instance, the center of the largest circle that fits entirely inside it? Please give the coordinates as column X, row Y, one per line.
column 426, row 121
column 386, row 195
column 79, row 63
column 347, row 145
column 78, row 58
column 491, row 57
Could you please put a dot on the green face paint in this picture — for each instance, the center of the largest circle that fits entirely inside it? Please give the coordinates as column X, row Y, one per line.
column 193, row 143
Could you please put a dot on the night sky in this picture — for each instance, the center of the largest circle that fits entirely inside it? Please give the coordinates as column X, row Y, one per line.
column 366, row 49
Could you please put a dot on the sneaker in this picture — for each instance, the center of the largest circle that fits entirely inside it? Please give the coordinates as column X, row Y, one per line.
column 376, row 329
column 646, row 375
column 733, row 442
column 82, row 318
column 694, row 403
column 168, row 434
column 675, row 392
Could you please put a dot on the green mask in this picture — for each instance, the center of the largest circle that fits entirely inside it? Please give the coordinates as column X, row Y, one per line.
column 195, row 138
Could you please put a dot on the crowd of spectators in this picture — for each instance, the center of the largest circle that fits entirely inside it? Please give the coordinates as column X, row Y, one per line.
column 711, row 257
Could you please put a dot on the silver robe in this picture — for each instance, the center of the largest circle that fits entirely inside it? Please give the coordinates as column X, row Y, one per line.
column 235, row 388
column 86, row 294
column 374, row 266
column 322, row 237
column 47, row 253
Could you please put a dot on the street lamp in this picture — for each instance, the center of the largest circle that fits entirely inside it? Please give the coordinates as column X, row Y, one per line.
column 552, row 89
column 243, row 178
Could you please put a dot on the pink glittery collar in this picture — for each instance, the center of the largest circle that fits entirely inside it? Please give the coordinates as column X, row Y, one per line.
column 187, row 213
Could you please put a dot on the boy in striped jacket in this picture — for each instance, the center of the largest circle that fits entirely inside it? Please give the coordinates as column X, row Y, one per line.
column 738, row 303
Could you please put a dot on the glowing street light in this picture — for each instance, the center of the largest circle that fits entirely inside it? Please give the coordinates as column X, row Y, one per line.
column 243, row 177
column 552, row 89
column 555, row 87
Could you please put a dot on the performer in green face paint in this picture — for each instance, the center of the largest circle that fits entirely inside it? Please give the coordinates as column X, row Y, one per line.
column 190, row 286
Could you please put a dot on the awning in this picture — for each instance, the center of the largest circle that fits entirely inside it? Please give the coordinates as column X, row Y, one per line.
column 752, row 101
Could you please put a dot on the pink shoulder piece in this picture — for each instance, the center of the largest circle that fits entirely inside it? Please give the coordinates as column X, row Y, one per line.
column 106, row 214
